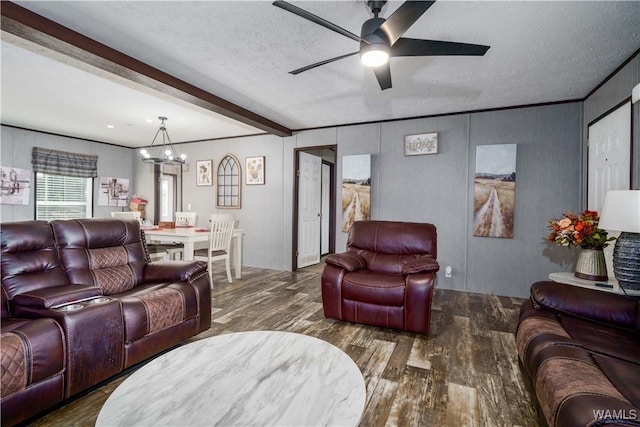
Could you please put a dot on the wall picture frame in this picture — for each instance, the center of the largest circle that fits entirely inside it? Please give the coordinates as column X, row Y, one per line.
column 494, row 192
column 420, row 144
column 204, row 173
column 113, row 191
column 254, row 170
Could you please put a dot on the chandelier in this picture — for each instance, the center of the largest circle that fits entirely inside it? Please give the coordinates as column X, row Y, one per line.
column 166, row 154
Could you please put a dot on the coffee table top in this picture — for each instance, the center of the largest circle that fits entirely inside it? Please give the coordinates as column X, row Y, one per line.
column 260, row 378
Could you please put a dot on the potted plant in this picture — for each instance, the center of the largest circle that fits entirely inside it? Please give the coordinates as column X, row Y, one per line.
column 582, row 230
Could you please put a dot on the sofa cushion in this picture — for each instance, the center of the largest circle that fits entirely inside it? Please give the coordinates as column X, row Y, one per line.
column 389, row 237
column 374, row 288
column 32, row 350
column 108, row 253
column 625, row 376
column 566, row 383
column 13, row 359
column 29, row 259
column 599, row 338
column 149, row 309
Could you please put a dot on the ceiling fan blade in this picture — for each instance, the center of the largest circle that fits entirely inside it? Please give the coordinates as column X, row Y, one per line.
column 317, row 64
column 383, row 74
column 404, row 17
column 315, row 19
column 417, row 47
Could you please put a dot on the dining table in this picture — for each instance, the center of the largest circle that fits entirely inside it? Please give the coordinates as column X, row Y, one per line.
column 189, row 236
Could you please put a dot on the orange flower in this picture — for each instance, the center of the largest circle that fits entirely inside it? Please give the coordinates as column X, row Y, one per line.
column 564, row 222
column 578, row 230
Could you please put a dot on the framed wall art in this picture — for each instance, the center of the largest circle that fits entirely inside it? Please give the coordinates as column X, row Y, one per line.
column 254, row 169
column 204, row 172
column 16, row 185
column 356, row 190
column 424, row 143
column 113, row 191
column 494, row 190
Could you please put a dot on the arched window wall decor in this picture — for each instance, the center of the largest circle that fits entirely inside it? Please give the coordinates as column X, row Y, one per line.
column 229, row 183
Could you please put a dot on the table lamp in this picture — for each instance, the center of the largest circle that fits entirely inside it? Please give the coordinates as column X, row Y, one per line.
column 621, row 212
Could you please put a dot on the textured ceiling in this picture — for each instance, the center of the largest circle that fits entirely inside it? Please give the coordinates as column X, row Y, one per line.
column 242, row 51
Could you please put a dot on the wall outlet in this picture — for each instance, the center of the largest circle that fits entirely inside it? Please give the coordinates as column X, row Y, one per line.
column 448, row 271
column 188, row 206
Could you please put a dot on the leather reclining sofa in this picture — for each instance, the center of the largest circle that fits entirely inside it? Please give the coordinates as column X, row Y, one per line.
column 580, row 349
column 385, row 278
column 81, row 303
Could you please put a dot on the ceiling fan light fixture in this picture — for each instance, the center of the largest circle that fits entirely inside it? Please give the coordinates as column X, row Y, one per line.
column 374, row 55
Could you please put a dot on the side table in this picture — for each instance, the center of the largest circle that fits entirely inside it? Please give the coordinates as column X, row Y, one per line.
column 571, row 279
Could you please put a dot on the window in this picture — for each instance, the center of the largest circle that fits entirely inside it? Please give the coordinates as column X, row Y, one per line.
column 63, row 197
column 64, row 183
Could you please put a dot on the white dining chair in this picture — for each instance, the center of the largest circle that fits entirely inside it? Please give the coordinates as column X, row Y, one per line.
column 185, row 219
column 219, row 246
column 126, row 215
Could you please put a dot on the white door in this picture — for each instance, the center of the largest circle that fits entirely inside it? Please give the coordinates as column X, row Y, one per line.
column 326, row 197
column 609, row 155
column 167, row 197
column 309, row 198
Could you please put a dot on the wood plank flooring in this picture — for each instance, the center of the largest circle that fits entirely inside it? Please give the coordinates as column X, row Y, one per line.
column 464, row 373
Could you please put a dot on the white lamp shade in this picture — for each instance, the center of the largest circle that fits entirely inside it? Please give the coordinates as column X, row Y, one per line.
column 621, row 211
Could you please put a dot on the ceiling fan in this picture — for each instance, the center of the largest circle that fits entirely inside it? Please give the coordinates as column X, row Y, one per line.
column 382, row 38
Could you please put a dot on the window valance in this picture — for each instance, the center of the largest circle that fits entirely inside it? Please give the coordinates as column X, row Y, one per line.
column 64, row 163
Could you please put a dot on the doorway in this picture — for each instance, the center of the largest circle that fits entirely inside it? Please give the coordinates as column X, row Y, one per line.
column 609, row 155
column 167, row 192
column 314, row 205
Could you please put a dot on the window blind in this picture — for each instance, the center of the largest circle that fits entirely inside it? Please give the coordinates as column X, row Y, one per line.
column 63, row 197
column 64, row 163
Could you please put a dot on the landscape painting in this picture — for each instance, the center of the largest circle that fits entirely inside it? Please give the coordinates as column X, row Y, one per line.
column 356, row 190
column 494, row 190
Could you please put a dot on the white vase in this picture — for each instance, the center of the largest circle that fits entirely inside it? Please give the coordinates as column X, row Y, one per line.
column 591, row 265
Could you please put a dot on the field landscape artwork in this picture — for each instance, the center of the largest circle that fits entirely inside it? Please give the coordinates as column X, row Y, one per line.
column 494, row 190
column 356, row 190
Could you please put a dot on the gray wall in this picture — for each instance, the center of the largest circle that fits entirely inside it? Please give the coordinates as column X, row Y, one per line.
column 434, row 188
column 15, row 151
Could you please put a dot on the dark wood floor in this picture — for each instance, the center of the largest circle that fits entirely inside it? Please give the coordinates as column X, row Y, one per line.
column 464, row 373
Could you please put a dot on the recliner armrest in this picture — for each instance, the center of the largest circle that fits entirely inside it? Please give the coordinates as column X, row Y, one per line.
column 604, row 307
column 420, row 265
column 164, row 271
column 56, row 295
column 348, row 261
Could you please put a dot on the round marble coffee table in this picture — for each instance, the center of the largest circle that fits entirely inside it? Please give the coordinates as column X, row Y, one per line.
column 259, row 378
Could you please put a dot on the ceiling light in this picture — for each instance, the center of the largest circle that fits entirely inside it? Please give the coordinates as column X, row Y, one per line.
column 166, row 154
column 374, row 55
column 111, row 126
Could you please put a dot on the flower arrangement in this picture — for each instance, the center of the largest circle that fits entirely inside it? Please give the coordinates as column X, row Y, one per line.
column 579, row 230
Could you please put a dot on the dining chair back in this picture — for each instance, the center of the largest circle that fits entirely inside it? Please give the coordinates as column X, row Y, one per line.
column 220, row 237
column 126, row 215
column 185, row 219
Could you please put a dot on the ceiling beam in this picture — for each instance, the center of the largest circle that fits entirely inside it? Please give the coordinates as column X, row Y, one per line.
column 30, row 26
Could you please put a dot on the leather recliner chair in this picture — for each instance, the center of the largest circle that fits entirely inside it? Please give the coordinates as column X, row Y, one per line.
column 385, row 278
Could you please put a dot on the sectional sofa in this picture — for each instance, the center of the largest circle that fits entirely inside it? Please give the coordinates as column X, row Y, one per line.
column 580, row 349
column 81, row 302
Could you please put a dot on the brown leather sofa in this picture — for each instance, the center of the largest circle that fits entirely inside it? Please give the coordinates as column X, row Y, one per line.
column 81, row 302
column 580, row 349
column 386, row 276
